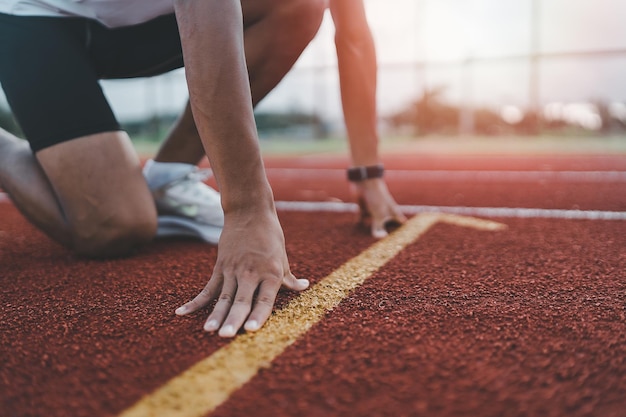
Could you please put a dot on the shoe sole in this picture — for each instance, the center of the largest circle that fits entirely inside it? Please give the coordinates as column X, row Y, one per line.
column 175, row 226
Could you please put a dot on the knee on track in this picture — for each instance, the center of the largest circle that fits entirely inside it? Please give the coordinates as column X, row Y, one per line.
column 114, row 237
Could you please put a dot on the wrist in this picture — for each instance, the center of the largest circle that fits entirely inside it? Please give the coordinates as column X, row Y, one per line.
column 253, row 196
column 365, row 172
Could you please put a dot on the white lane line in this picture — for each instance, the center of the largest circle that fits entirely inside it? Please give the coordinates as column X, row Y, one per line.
column 535, row 213
column 465, row 175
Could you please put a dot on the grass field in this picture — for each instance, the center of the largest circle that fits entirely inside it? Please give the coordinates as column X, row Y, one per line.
column 484, row 145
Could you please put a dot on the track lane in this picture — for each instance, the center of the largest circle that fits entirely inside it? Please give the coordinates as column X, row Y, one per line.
column 554, row 272
column 89, row 338
column 529, row 322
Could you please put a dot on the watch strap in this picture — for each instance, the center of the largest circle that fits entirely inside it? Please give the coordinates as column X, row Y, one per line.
column 356, row 174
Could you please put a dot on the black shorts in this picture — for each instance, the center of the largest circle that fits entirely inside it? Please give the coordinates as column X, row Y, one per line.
column 50, row 67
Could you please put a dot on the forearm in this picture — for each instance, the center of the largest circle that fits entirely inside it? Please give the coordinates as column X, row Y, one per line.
column 357, row 72
column 212, row 39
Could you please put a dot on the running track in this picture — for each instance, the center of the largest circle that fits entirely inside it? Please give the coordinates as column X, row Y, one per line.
column 509, row 300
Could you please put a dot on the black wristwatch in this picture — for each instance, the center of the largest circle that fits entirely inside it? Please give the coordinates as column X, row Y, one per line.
column 357, row 174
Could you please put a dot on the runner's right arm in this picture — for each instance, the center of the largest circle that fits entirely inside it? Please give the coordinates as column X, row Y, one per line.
column 251, row 251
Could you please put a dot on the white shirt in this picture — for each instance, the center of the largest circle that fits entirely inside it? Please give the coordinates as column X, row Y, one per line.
column 111, row 13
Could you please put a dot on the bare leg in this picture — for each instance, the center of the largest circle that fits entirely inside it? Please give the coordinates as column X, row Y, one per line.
column 22, row 178
column 182, row 143
column 88, row 194
column 276, row 33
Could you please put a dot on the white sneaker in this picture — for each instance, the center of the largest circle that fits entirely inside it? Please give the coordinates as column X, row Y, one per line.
column 179, row 192
column 176, row 226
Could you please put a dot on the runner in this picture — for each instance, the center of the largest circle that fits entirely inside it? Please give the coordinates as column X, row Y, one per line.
column 358, row 71
column 78, row 178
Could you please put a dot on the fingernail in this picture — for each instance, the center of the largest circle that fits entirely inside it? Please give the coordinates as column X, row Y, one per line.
column 227, row 331
column 211, row 326
column 252, row 325
column 304, row 282
column 181, row 310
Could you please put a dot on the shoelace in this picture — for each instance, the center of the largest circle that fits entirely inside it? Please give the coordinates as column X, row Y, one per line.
column 195, row 177
column 199, row 175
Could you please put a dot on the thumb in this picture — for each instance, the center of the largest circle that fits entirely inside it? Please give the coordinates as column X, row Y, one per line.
column 364, row 213
column 378, row 229
column 295, row 284
column 399, row 216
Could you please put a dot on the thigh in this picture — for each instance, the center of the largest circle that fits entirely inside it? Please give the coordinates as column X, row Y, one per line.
column 49, row 79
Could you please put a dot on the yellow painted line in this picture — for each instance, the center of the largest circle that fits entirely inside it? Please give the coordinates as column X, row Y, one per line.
column 210, row 382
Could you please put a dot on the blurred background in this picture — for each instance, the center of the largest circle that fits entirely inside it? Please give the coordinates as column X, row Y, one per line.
column 449, row 68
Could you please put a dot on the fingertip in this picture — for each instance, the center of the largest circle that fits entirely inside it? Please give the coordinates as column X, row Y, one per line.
column 211, row 326
column 379, row 233
column 252, row 326
column 182, row 310
column 292, row 283
column 303, row 283
column 227, row 331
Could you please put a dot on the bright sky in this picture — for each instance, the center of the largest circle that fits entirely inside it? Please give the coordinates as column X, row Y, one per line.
column 453, row 30
column 440, row 30
column 409, row 30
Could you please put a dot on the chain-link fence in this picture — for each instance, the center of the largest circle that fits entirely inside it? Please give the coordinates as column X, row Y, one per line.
column 556, row 62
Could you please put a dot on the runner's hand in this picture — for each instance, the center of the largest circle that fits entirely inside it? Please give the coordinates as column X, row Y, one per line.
column 377, row 206
column 251, row 266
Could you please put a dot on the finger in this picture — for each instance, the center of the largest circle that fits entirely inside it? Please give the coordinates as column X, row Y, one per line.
column 378, row 228
column 263, row 306
column 295, row 284
column 222, row 307
column 240, row 308
column 398, row 215
column 206, row 296
column 364, row 213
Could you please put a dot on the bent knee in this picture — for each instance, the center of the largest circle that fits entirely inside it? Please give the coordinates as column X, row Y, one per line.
column 313, row 8
column 116, row 238
column 308, row 12
column 298, row 16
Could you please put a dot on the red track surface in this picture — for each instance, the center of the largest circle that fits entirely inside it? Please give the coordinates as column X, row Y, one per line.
column 530, row 321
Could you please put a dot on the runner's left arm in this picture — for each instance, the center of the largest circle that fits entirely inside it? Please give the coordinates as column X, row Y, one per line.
column 356, row 56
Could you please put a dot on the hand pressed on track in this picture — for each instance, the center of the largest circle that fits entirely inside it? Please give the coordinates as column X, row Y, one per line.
column 377, row 206
column 251, row 266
